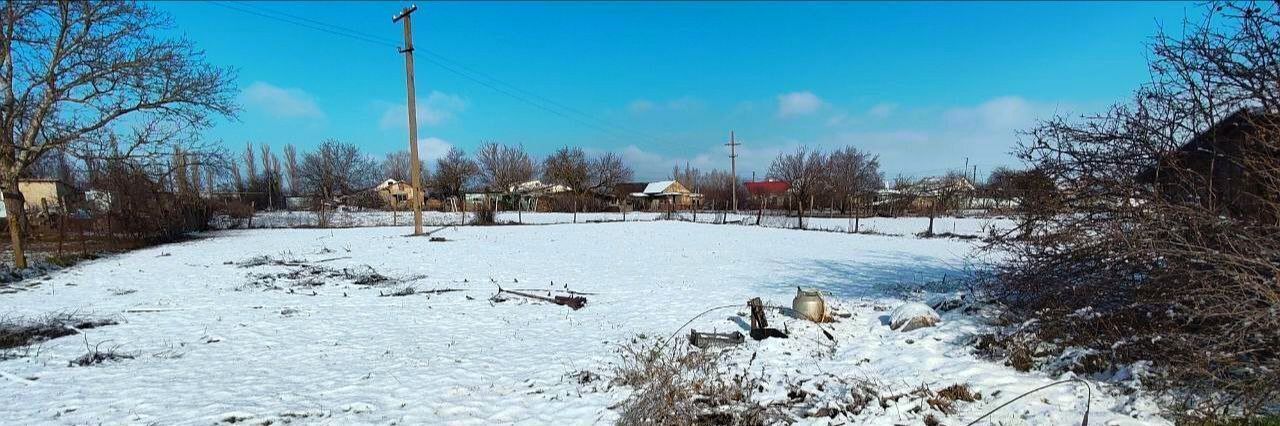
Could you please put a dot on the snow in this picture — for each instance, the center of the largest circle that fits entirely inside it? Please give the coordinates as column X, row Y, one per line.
column 215, row 341
column 657, row 187
column 913, row 311
column 971, row 226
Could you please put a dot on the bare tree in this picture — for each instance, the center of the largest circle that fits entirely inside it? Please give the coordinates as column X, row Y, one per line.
column 268, row 175
column 334, row 171
column 291, row 159
column 1164, row 222
column 73, row 72
column 569, row 167
column 454, row 172
column 250, row 163
column 716, row 187
column 504, row 166
column 396, row 166
column 608, row 170
column 853, row 174
column 806, row 170
column 180, row 182
column 237, row 179
column 211, row 178
column 277, row 179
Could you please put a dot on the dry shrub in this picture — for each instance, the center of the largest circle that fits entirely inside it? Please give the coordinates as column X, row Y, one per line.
column 97, row 355
column 484, row 214
column 674, row 384
column 17, row 332
column 1160, row 243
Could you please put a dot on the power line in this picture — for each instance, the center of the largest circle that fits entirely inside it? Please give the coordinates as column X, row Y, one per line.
column 447, row 64
column 452, row 63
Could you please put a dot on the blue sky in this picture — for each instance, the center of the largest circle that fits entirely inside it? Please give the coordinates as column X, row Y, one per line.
column 923, row 85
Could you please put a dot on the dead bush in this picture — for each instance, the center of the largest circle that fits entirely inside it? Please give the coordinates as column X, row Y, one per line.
column 17, row 332
column 97, row 355
column 674, row 384
column 484, row 214
column 1160, row 243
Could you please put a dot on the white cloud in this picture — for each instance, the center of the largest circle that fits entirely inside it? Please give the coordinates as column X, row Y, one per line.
column 640, row 106
column 1002, row 113
column 683, row 103
column 798, row 103
column 838, row 119
column 438, row 108
column 431, row 149
column 650, row 166
column 882, row 111
column 280, row 102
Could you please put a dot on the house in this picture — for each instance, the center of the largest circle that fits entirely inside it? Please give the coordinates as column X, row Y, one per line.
column 525, row 195
column 768, row 188
column 535, row 188
column 935, row 194
column 397, row 194
column 666, row 194
column 1208, row 168
column 43, row 195
column 298, row 202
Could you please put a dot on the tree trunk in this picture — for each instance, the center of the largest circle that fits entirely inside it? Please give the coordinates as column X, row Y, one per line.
column 13, row 203
column 933, row 211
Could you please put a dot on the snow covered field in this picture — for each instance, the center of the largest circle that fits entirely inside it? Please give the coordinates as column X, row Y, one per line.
column 218, row 339
column 976, row 226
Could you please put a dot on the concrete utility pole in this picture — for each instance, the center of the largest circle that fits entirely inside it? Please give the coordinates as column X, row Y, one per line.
column 733, row 167
column 415, row 170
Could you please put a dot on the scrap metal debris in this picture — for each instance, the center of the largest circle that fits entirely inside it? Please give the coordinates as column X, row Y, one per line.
column 707, row 340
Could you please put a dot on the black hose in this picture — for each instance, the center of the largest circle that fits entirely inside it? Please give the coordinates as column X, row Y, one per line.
column 1087, row 403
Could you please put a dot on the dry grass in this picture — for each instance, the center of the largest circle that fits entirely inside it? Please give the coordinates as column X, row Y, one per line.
column 16, row 332
column 677, row 385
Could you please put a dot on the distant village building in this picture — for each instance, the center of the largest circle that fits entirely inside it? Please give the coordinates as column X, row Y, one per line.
column 767, row 188
column 768, row 192
column 42, row 195
column 397, row 194
column 935, row 194
column 667, row 193
column 1208, row 166
column 298, row 202
column 526, row 195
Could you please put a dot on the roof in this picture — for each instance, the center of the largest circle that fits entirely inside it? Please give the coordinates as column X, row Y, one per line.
column 657, row 187
column 1217, row 135
column 767, row 187
column 387, row 184
column 630, row 188
column 41, row 180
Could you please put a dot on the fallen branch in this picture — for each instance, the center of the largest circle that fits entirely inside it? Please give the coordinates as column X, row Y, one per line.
column 549, row 290
column 573, row 302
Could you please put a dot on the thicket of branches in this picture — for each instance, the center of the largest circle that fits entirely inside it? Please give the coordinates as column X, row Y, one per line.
column 1148, row 252
column 582, row 175
column 97, row 78
column 835, row 179
column 333, row 171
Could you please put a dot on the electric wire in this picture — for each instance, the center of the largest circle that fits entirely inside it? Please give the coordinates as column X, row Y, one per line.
column 455, row 67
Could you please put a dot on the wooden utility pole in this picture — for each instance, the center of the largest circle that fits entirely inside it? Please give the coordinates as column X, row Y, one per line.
column 733, row 168
column 415, row 170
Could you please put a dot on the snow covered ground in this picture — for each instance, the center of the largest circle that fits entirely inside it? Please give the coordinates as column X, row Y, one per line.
column 217, row 340
column 976, row 226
